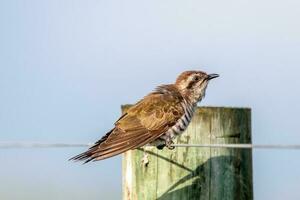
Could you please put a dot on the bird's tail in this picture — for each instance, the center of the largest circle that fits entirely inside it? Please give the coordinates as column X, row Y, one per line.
column 87, row 156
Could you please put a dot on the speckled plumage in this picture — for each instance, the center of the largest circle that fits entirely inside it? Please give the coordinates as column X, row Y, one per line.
column 156, row 119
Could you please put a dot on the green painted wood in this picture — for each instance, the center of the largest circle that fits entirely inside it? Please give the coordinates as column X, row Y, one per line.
column 134, row 172
column 189, row 173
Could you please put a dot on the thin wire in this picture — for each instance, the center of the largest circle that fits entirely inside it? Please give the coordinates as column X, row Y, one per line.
column 243, row 146
column 5, row 145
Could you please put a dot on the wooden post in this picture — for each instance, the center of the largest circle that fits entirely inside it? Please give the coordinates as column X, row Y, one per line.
column 188, row 173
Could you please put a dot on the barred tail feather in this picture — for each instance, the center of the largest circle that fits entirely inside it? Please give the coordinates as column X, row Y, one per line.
column 116, row 142
column 89, row 153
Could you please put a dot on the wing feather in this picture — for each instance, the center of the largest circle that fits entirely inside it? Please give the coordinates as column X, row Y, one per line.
column 141, row 124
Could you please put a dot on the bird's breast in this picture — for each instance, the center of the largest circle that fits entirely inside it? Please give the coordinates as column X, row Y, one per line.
column 182, row 122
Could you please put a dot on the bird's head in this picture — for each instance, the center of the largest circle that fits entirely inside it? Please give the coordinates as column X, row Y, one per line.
column 192, row 84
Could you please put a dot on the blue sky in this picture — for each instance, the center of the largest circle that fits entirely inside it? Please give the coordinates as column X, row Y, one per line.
column 67, row 66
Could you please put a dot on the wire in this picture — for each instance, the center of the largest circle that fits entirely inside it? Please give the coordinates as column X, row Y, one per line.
column 5, row 145
column 242, row 146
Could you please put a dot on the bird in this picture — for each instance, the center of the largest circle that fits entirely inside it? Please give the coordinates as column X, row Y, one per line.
column 156, row 119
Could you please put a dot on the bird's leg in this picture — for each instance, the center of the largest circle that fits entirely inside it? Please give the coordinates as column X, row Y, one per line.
column 169, row 143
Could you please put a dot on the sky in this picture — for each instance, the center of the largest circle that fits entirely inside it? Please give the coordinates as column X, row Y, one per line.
column 67, row 66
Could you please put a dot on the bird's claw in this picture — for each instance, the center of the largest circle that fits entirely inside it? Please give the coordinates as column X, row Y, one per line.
column 169, row 144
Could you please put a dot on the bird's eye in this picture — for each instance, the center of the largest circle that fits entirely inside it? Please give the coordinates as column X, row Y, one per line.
column 196, row 78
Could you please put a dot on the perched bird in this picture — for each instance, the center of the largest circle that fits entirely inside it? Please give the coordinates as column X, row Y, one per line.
column 156, row 119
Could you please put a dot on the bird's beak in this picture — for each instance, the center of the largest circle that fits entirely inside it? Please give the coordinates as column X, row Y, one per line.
column 212, row 76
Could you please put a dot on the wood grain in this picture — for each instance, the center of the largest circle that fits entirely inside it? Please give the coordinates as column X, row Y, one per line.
column 189, row 173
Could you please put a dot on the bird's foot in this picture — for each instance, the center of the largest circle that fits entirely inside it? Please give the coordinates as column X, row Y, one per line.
column 169, row 144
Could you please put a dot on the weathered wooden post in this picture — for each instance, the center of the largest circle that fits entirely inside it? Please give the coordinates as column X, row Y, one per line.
column 188, row 173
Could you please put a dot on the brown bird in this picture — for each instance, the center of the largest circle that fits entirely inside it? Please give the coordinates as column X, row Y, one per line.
column 156, row 119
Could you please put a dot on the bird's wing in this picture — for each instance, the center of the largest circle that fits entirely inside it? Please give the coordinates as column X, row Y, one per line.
column 142, row 123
